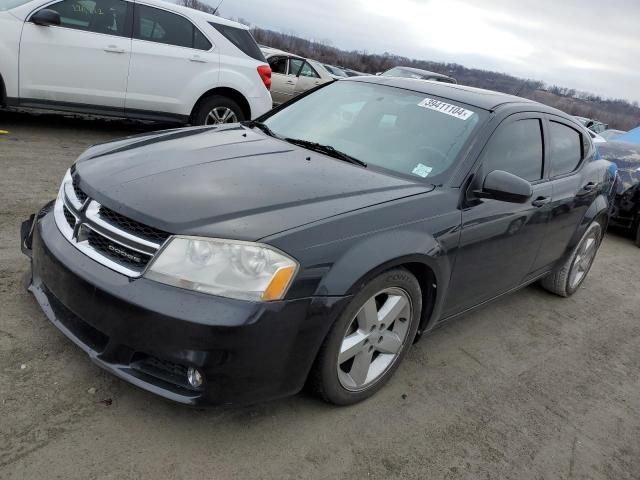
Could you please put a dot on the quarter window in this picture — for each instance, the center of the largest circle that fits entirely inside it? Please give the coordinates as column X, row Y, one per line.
column 278, row 65
column 566, row 149
column 516, row 148
column 99, row 16
column 155, row 25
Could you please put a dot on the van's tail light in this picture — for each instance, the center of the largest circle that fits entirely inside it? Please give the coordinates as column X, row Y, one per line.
column 265, row 74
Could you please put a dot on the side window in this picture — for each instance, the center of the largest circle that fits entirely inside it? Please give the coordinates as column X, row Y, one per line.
column 516, row 148
column 308, row 71
column 155, row 25
column 278, row 65
column 566, row 148
column 295, row 64
column 99, row 16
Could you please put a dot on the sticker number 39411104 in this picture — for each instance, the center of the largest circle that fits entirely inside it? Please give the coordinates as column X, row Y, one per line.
column 446, row 108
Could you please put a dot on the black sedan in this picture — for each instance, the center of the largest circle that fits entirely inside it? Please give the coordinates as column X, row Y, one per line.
column 237, row 263
column 626, row 209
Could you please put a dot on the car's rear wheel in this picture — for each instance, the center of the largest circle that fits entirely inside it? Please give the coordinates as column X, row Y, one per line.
column 217, row 110
column 367, row 343
column 566, row 278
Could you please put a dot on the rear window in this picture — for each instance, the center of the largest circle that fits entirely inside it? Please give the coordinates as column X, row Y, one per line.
column 9, row 4
column 566, row 149
column 242, row 39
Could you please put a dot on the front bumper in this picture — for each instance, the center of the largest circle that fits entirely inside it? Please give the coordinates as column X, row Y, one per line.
column 149, row 333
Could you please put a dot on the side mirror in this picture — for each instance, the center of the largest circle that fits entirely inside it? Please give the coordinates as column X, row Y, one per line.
column 46, row 17
column 506, row 187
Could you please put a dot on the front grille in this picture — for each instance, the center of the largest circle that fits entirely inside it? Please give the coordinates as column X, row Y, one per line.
column 108, row 237
column 80, row 195
column 117, row 252
column 131, row 226
column 69, row 217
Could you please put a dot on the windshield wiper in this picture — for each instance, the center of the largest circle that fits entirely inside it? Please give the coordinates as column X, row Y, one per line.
column 327, row 150
column 261, row 126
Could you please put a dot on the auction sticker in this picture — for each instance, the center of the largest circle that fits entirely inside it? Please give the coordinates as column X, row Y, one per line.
column 446, row 108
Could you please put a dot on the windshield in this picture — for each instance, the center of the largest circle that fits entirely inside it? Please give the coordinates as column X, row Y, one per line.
column 9, row 4
column 407, row 132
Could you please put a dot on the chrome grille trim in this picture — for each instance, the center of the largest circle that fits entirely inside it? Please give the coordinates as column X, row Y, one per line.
column 88, row 219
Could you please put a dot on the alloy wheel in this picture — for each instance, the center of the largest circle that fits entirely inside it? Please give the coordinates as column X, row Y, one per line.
column 583, row 259
column 374, row 339
column 220, row 115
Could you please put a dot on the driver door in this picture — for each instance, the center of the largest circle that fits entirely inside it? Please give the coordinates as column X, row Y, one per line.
column 84, row 60
column 499, row 240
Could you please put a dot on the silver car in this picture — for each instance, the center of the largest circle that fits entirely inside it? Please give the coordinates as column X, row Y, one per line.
column 292, row 75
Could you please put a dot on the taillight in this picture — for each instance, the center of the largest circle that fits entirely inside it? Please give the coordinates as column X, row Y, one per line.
column 265, row 74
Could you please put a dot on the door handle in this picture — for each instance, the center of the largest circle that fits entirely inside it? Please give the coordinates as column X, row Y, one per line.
column 289, row 82
column 197, row 58
column 541, row 201
column 590, row 187
column 113, row 49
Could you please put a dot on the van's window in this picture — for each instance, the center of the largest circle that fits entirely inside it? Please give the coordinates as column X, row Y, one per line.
column 566, row 149
column 295, row 64
column 242, row 39
column 308, row 71
column 99, row 16
column 156, row 25
column 516, row 148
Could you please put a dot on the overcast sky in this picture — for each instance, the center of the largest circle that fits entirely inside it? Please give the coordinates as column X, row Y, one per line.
column 584, row 44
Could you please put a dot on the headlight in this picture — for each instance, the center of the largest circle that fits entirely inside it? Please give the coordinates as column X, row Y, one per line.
column 229, row 268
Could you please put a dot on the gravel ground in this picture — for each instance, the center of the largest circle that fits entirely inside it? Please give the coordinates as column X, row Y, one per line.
column 533, row 386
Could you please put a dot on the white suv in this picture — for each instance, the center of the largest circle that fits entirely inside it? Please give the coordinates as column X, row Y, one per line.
column 144, row 59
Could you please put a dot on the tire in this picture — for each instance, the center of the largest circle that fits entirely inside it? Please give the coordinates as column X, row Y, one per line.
column 561, row 280
column 383, row 345
column 211, row 110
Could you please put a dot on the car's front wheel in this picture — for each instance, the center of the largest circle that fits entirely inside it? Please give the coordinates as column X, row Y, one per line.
column 216, row 110
column 567, row 277
column 367, row 343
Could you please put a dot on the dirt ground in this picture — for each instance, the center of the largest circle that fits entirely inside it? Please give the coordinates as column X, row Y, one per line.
column 531, row 387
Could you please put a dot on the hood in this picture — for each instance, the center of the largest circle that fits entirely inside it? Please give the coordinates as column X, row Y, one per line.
column 229, row 182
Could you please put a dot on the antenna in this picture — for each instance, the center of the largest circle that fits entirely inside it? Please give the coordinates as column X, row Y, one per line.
column 216, row 10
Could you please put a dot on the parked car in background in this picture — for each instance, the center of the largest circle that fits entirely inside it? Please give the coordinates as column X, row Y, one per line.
column 352, row 73
column 292, row 75
column 410, row 72
column 611, row 134
column 149, row 60
column 626, row 209
column 594, row 125
column 335, row 71
column 347, row 223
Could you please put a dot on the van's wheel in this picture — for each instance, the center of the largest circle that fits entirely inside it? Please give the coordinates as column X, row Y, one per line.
column 369, row 340
column 566, row 278
column 216, row 110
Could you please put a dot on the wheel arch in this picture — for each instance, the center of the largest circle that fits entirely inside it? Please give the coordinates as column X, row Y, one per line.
column 597, row 211
column 228, row 92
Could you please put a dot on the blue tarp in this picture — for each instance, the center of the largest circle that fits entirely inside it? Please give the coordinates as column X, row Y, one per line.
column 632, row 136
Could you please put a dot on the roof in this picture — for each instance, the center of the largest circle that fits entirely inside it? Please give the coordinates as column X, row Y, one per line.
column 486, row 99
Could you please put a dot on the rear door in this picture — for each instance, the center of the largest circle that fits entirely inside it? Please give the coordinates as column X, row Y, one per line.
column 167, row 52
column 499, row 241
column 308, row 78
column 84, row 61
column 574, row 187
